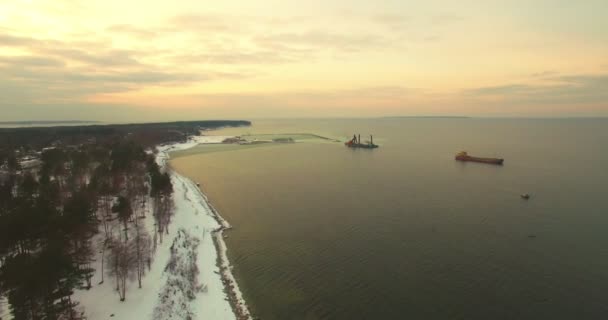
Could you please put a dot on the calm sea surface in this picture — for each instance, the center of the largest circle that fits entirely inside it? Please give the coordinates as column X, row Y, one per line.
column 405, row 232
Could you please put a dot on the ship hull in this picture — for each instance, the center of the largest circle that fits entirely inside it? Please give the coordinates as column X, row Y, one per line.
column 362, row 146
column 494, row 161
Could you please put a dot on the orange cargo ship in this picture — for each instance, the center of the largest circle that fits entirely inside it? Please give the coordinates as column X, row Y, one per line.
column 463, row 156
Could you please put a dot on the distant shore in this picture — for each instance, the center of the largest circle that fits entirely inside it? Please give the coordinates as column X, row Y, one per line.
column 47, row 122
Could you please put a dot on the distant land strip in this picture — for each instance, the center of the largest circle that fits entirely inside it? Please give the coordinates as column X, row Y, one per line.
column 146, row 134
column 426, row 117
column 95, row 125
column 34, row 122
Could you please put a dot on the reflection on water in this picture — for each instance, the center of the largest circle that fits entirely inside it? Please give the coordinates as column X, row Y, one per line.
column 404, row 231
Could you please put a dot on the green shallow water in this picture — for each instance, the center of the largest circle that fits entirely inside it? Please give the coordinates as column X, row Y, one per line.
column 404, row 231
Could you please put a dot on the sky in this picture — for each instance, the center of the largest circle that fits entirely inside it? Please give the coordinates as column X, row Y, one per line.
column 133, row 60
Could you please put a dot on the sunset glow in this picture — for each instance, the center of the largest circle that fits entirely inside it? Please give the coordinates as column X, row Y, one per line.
column 118, row 60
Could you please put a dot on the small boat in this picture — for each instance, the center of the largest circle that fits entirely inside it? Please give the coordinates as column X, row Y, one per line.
column 525, row 196
column 464, row 156
column 355, row 142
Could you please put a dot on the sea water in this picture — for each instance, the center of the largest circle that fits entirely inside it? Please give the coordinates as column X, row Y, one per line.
column 405, row 231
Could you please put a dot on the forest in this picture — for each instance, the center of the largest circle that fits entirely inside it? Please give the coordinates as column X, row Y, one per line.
column 84, row 193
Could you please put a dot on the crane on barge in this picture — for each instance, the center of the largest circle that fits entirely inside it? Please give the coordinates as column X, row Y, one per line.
column 355, row 142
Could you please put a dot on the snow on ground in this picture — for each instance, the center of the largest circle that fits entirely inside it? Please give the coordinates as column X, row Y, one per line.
column 211, row 139
column 226, row 268
column 191, row 235
column 5, row 313
column 163, row 151
column 182, row 283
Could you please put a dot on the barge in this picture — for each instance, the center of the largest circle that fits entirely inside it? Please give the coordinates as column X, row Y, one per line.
column 464, row 156
column 355, row 142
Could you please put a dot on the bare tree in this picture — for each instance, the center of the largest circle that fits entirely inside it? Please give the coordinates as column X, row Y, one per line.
column 83, row 257
column 106, row 215
column 124, row 265
column 143, row 251
column 163, row 210
column 104, row 244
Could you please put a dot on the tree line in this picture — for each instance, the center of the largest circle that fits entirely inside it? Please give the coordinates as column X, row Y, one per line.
column 90, row 200
column 147, row 134
column 85, row 202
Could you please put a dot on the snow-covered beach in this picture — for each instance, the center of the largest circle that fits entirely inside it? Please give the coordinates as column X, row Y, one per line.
column 189, row 276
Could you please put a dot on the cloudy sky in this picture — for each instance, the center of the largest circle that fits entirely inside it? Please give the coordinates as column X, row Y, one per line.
column 129, row 60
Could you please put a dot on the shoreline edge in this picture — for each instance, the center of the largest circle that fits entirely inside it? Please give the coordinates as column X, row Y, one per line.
column 231, row 288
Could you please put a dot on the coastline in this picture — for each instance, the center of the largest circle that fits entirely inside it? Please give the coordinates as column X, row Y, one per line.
column 231, row 288
column 194, row 240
